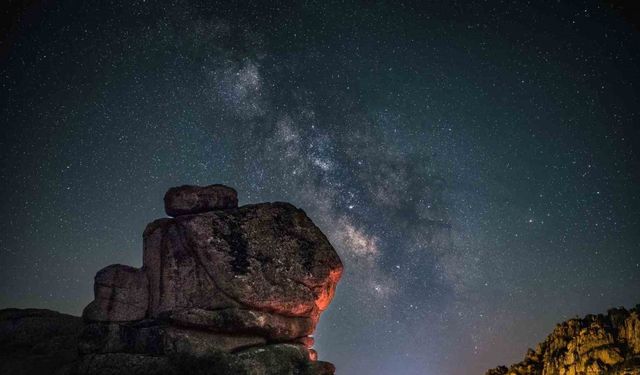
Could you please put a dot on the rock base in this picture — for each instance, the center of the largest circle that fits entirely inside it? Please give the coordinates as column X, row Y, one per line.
column 44, row 342
column 276, row 359
column 35, row 341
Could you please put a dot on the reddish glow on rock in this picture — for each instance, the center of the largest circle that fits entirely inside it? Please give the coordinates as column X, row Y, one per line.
column 313, row 355
column 326, row 292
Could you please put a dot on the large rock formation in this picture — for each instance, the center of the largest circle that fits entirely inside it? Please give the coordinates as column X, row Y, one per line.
column 223, row 290
column 596, row 345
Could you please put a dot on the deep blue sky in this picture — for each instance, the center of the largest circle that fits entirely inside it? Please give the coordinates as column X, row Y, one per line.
column 476, row 166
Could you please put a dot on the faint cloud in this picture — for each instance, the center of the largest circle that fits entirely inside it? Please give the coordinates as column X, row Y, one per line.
column 357, row 241
column 239, row 86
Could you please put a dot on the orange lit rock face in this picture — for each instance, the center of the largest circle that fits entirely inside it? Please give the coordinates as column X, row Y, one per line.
column 214, row 273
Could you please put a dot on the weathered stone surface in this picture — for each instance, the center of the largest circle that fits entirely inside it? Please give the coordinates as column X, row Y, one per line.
column 277, row 359
column 268, row 257
column 629, row 331
column 189, row 199
column 272, row 326
column 34, row 341
column 121, row 364
column 201, row 343
column 501, row 370
column 160, row 340
column 306, row 341
column 117, row 337
column 597, row 344
column 121, row 294
column 177, row 279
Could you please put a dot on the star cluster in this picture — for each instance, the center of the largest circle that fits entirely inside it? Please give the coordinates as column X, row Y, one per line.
column 475, row 165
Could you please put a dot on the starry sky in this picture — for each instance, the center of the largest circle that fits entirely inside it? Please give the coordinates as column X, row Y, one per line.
column 474, row 164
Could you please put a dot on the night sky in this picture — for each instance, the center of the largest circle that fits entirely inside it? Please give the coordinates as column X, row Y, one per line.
column 476, row 166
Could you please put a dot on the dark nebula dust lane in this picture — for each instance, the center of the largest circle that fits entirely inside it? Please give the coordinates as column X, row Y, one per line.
column 475, row 165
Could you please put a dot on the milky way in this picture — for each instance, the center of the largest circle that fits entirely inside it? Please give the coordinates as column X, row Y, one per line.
column 474, row 165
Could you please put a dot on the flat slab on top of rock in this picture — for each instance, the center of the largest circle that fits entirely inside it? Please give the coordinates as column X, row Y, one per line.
column 191, row 199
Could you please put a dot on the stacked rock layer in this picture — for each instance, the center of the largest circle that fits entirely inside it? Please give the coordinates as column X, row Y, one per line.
column 243, row 287
column 596, row 345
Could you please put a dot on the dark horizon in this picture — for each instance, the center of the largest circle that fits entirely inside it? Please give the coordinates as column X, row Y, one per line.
column 474, row 165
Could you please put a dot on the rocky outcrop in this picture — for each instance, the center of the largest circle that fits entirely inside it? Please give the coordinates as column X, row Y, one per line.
column 189, row 199
column 222, row 290
column 595, row 345
column 35, row 341
column 242, row 285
